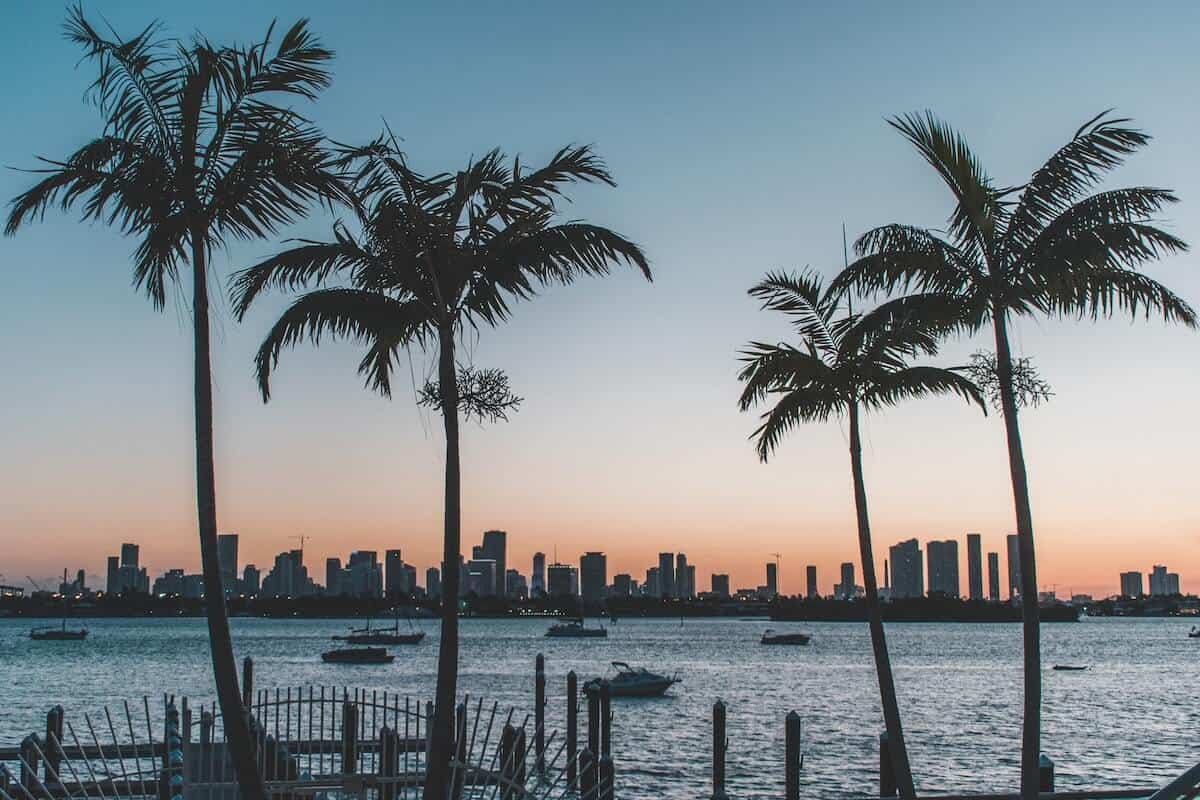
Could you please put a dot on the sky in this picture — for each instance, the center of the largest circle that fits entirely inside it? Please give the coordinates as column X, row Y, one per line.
column 742, row 138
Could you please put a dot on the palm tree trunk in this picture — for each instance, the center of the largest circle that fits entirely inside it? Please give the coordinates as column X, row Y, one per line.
column 233, row 715
column 883, row 662
column 442, row 743
column 1032, row 726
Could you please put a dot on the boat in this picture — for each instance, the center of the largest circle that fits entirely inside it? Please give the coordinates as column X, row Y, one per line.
column 574, row 628
column 1068, row 668
column 771, row 637
column 633, row 682
column 390, row 635
column 1194, row 633
column 52, row 633
column 358, row 655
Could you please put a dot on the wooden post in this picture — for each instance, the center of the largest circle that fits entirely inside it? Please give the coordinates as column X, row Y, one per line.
column 587, row 775
column 508, row 742
column 887, row 775
column 792, row 757
column 29, row 764
column 720, row 743
column 593, row 730
column 572, row 730
column 459, row 775
column 605, row 719
column 389, row 762
column 247, row 681
column 605, row 777
column 1045, row 773
column 349, row 737
column 519, row 754
column 52, row 746
column 539, row 712
column 206, row 729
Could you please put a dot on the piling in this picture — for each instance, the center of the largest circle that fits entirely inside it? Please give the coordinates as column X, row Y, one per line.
column 247, row 681
column 389, row 762
column 53, row 742
column 587, row 775
column 593, row 729
column 572, row 729
column 792, row 756
column 720, row 745
column 605, row 719
column 605, row 777
column 887, row 775
column 508, row 746
column 459, row 775
column 349, row 737
column 1045, row 773
column 29, row 764
column 519, row 754
column 539, row 711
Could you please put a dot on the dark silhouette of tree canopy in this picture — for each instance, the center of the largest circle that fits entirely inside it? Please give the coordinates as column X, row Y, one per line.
column 1049, row 247
column 846, row 363
column 434, row 255
column 195, row 150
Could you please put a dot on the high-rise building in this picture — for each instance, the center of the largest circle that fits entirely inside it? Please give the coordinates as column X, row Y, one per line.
column 127, row 575
column 365, row 574
column 515, row 585
column 227, row 558
column 811, row 589
column 974, row 566
column 433, row 583
column 1163, row 583
column 288, row 577
column 537, row 581
column 495, row 547
column 681, row 569
column 1014, row 566
column 1131, row 584
column 593, row 577
column 908, row 579
column 333, row 577
column 129, row 555
column 561, row 580
column 622, row 584
column 994, row 577
column 112, row 584
column 251, row 580
column 772, row 579
column 691, row 580
column 943, row 567
column 845, row 589
column 720, row 585
column 652, row 586
column 1173, row 583
column 483, row 578
column 393, row 564
column 666, row 574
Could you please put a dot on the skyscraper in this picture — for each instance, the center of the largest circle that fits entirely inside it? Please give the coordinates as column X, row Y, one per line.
column 333, row 577
column 365, row 574
column 691, row 580
column 1163, row 583
column 681, row 571
column 433, row 583
column 561, row 580
column 483, row 577
column 943, row 567
column 666, row 574
column 1131, row 584
column 974, row 566
column 810, row 574
column 251, row 579
column 593, row 577
column 1014, row 566
column 393, row 573
column 129, row 555
column 908, row 579
column 994, row 577
column 845, row 589
column 652, row 586
column 720, row 585
column 623, row 584
column 537, row 581
column 772, row 579
column 227, row 558
column 495, row 547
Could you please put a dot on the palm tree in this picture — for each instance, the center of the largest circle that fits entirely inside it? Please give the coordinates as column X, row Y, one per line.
column 1048, row 247
column 846, row 363
column 435, row 255
column 194, row 152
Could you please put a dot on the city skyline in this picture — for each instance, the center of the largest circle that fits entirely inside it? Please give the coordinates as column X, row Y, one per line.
column 104, row 453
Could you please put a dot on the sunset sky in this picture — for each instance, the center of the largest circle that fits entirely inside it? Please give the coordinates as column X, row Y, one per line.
column 742, row 138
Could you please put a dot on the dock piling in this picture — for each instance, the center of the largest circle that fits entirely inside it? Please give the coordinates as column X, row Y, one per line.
column 593, row 729
column 720, row 745
column 1045, row 773
column 587, row 775
column 389, row 762
column 887, row 775
column 539, row 711
column 29, row 763
column 349, row 737
column 247, row 681
column 53, row 742
column 605, row 777
column 792, row 756
column 605, row 719
column 572, row 729
column 508, row 749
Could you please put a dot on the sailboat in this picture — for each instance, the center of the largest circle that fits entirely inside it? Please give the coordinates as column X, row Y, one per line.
column 390, row 635
column 56, row 633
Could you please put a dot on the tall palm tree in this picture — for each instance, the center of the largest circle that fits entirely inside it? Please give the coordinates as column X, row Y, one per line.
column 846, row 363
column 194, row 152
column 434, row 255
column 1049, row 247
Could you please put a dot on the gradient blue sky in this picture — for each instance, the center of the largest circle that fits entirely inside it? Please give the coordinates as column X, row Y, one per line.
column 742, row 137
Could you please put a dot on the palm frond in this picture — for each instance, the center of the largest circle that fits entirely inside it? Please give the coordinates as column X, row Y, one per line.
column 771, row 368
column 903, row 257
column 802, row 298
column 796, row 406
column 889, row 387
column 1098, row 290
column 538, row 189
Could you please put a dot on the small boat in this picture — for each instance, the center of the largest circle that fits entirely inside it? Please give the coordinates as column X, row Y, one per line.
column 55, row 634
column 1068, row 668
column 771, row 637
column 390, row 635
column 1194, row 633
column 358, row 655
column 575, row 628
column 634, row 682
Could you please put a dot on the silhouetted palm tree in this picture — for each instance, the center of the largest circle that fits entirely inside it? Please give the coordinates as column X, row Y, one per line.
column 1048, row 247
column 435, row 254
column 844, row 364
column 193, row 153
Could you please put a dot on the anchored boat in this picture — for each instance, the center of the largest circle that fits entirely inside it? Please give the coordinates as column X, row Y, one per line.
column 771, row 637
column 56, row 634
column 575, row 628
column 390, row 635
column 358, row 655
column 634, row 682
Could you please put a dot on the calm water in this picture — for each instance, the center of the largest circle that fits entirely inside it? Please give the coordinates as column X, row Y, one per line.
column 1129, row 720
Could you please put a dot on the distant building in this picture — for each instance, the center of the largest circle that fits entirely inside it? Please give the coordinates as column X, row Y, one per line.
column 251, row 580
column 720, row 585
column 593, row 577
column 483, row 577
column 666, row 574
column 845, row 589
column 1014, row 566
column 365, row 574
column 1163, row 583
column 288, row 577
column 691, row 580
column 1082, row 599
column 908, row 579
column 561, row 580
column 772, row 579
column 126, row 575
column 333, row 577
column 682, row 590
column 653, row 586
column 227, row 557
column 193, row 587
column 129, row 555
column 515, row 585
column 393, row 573
column 994, row 577
column 537, row 580
column 433, row 583
column 974, row 566
column 169, row 583
column 495, row 547
column 622, row 585
column 943, row 567
column 810, row 574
